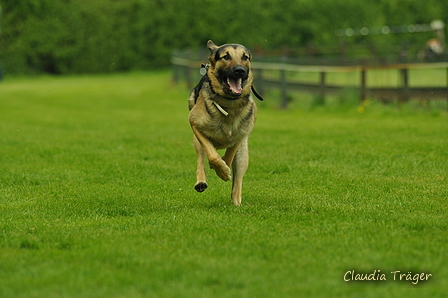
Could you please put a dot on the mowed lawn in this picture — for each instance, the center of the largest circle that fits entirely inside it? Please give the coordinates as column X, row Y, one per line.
column 97, row 198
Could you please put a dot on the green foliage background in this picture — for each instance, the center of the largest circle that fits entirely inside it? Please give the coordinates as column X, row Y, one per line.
column 79, row 36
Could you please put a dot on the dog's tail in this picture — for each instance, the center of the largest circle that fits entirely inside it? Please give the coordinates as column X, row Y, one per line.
column 256, row 93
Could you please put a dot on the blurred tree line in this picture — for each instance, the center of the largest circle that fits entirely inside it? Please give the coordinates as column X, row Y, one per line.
column 80, row 36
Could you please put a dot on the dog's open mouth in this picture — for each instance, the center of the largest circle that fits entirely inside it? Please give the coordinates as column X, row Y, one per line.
column 234, row 84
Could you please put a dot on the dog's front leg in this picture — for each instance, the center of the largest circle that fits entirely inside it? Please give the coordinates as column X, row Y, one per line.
column 201, row 183
column 215, row 160
column 239, row 168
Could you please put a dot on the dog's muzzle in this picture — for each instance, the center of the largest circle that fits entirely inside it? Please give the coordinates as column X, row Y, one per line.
column 234, row 79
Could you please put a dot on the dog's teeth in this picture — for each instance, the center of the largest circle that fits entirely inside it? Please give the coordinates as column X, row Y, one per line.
column 235, row 85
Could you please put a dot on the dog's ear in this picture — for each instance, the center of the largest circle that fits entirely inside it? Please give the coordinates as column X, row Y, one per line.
column 211, row 46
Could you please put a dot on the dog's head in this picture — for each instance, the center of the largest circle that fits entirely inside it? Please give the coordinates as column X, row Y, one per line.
column 229, row 71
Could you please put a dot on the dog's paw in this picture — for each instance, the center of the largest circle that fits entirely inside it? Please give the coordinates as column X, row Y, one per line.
column 221, row 169
column 224, row 174
column 200, row 186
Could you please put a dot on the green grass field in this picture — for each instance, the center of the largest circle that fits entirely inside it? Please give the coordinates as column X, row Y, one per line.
column 97, row 198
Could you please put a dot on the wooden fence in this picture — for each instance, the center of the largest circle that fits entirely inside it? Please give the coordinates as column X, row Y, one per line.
column 281, row 76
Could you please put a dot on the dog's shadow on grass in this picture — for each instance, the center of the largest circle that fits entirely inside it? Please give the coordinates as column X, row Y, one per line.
column 217, row 200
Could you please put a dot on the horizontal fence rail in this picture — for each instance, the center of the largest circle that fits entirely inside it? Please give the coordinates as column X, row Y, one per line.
column 274, row 76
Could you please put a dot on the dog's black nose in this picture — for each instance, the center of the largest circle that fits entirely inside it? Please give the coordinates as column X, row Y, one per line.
column 239, row 71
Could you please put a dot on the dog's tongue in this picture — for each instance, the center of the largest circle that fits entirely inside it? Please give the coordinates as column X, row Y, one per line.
column 235, row 85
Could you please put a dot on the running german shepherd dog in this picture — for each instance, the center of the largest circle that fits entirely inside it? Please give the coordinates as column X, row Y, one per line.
column 222, row 115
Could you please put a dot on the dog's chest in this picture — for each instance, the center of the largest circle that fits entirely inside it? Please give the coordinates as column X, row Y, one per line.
column 228, row 130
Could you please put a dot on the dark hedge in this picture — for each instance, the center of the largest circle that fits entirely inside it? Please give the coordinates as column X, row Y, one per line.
column 86, row 36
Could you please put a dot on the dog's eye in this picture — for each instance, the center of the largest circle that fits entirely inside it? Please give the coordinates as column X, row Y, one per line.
column 226, row 57
column 245, row 57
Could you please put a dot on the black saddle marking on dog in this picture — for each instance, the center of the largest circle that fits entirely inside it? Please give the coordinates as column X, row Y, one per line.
column 199, row 86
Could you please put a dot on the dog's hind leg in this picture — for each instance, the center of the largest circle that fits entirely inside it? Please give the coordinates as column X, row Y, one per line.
column 230, row 154
column 201, row 183
column 239, row 168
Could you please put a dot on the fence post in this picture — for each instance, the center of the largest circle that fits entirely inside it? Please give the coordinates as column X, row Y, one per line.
column 322, row 87
column 447, row 89
column 176, row 77
column 188, row 80
column 283, row 86
column 404, row 84
column 363, row 85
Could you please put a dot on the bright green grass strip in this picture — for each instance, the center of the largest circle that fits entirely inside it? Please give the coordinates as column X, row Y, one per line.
column 97, row 199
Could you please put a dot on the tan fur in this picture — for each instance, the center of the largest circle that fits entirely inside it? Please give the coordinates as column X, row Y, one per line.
column 212, row 129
